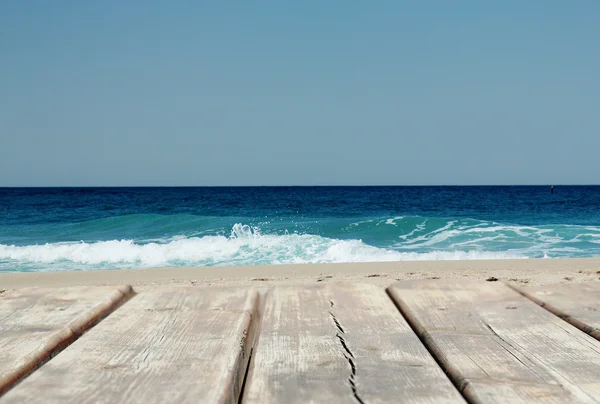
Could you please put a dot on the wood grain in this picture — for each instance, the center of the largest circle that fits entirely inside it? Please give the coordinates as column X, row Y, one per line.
column 36, row 323
column 341, row 343
column 576, row 303
column 498, row 346
column 167, row 345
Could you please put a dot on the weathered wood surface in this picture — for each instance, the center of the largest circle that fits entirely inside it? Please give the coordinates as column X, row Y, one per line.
column 340, row 343
column 166, row 345
column 35, row 323
column 576, row 303
column 498, row 346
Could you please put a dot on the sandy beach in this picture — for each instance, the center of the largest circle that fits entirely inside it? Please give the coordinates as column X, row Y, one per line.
column 528, row 272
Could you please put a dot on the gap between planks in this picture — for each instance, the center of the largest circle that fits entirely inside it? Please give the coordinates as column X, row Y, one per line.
column 495, row 354
column 63, row 338
column 587, row 328
column 342, row 342
column 171, row 344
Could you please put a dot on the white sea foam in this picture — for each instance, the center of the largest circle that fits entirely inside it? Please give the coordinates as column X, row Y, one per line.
column 244, row 246
column 392, row 220
column 418, row 228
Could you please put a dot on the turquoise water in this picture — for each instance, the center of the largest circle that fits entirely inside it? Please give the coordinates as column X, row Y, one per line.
column 111, row 228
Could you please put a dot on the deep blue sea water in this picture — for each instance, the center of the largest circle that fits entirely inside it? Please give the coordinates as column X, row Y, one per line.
column 98, row 228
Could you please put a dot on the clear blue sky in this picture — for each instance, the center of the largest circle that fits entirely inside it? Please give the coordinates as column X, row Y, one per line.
column 299, row 93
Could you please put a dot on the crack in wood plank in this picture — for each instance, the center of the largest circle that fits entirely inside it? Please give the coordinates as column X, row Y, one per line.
column 347, row 354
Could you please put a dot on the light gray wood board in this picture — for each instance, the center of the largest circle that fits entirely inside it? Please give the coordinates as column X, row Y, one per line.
column 35, row 323
column 498, row 346
column 312, row 337
column 576, row 303
column 166, row 345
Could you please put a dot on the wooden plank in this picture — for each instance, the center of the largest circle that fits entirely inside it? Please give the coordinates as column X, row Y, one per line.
column 36, row 323
column 166, row 345
column 341, row 343
column 498, row 346
column 576, row 303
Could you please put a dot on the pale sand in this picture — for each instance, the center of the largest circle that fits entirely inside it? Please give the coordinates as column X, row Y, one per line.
column 531, row 272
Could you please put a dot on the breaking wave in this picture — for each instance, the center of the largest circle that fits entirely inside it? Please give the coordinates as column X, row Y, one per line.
column 134, row 241
column 244, row 246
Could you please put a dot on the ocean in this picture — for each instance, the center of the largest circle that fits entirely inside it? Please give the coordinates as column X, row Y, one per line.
column 50, row 229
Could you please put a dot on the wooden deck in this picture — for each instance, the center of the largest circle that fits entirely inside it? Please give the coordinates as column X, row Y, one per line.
column 422, row 341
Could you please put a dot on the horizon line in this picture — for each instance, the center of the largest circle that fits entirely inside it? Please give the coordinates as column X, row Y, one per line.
column 292, row 186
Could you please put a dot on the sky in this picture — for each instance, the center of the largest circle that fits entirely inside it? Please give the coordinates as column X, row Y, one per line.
column 123, row 92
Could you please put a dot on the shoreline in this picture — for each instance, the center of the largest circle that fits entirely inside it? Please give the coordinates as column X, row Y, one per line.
column 523, row 272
